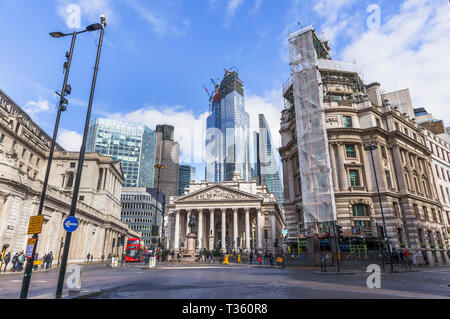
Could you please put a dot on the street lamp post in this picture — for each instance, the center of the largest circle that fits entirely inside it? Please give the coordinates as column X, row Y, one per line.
column 94, row 27
column 370, row 148
column 159, row 168
column 66, row 90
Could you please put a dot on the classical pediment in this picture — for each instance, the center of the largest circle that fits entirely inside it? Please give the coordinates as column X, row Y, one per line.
column 217, row 193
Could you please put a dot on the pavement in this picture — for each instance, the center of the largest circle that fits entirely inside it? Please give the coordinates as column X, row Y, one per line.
column 232, row 281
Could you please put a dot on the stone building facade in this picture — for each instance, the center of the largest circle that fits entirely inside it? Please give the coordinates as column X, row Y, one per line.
column 356, row 116
column 23, row 160
column 242, row 214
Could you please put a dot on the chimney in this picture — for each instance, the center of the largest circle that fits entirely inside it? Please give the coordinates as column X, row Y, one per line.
column 374, row 92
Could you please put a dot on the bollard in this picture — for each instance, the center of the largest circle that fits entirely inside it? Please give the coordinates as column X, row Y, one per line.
column 239, row 259
column 225, row 260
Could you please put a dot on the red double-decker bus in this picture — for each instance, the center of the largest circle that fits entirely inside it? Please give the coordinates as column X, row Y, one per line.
column 135, row 250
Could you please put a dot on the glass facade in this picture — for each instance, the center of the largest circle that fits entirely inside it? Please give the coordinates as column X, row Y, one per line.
column 227, row 140
column 266, row 165
column 184, row 178
column 142, row 211
column 134, row 145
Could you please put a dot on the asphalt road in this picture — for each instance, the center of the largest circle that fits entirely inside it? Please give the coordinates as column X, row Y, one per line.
column 134, row 281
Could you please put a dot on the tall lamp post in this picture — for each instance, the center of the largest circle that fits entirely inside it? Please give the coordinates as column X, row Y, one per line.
column 371, row 148
column 95, row 27
column 159, row 168
column 62, row 106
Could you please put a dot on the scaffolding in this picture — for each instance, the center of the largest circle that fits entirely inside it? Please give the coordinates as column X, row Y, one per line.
column 314, row 160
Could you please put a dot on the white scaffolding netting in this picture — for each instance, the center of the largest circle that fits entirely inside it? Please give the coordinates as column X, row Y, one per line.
column 314, row 160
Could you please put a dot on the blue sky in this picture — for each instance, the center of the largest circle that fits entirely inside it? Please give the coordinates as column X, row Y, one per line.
column 158, row 54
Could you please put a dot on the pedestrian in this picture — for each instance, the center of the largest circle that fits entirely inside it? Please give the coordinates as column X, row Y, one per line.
column 251, row 257
column 259, row 259
column 49, row 260
column 92, row 258
column 266, row 258
column 6, row 260
column 103, row 258
column 14, row 262
column 402, row 258
column 88, row 257
column 270, row 259
column 21, row 260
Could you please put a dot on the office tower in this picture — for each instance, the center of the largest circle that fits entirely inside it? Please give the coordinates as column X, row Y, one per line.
column 227, row 136
column 134, row 145
column 265, row 164
column 142, row 211
column 184, row 178
column 168, row 156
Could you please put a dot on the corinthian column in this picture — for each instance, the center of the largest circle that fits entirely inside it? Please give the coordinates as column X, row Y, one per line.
column 211, row 229
column 247, row 230
column 235, row 228
column 223, row 229
column 177, row 231
column 200, row 229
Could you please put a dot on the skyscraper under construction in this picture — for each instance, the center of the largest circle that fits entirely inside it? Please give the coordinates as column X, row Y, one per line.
column 227, row 137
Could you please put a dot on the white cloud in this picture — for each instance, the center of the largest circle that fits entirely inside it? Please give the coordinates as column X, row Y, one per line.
column 90, row 11
column 256, row 6
column 409, row 51
column 160, row 25
column 232, row 6
column 189, row 129
column 70, row 140
column 33, row 107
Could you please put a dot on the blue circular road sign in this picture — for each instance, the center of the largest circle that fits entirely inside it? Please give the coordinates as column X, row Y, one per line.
column 70, row 224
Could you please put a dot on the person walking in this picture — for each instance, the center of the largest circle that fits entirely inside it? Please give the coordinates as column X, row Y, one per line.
column 92, row 258
column 14, row 262
column 251, row 257
column 6, row 260
column 21, row 260
column 88, row 257
column 49, row 260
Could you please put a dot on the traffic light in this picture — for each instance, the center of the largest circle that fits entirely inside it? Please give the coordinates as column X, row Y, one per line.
column 339, row 231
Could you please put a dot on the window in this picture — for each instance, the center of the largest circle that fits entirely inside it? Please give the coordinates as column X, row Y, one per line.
column 350, row 150
column 347, row 121
column 425, row 213
column 72, row 164
column 416, row 211
column 360, row 210
column 69, row 180
column 354, row 178
column 396, row 126
column 2, row 137
column 396, row 210
column 388, row 179
column 383, row 152
column 378, row 122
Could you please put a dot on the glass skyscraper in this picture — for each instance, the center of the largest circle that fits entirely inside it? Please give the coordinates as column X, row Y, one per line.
column 265, row 164
column 131, row 143
column 227, row 136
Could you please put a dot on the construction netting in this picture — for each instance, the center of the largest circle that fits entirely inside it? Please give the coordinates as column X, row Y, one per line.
column 314, row 160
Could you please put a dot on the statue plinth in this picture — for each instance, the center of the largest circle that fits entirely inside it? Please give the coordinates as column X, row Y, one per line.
column 190, row 254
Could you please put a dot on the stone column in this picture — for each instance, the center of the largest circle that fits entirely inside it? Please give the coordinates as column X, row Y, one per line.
column 176, row 243
column 211, row 229
column 223, row 229
column 343, row 178
column 259, row 229
column 274, row 228
column 247, row 229
column 200, row 229
column 235, row 228
column 334, row 168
